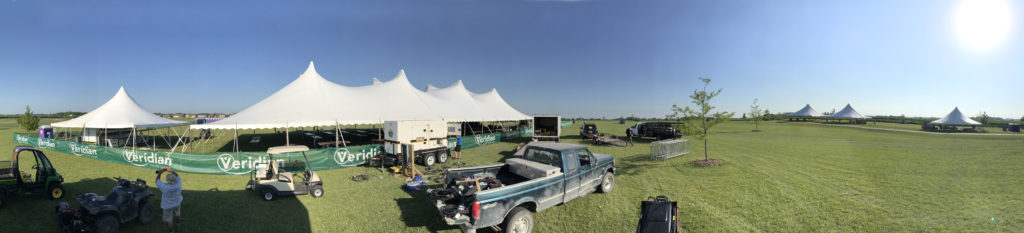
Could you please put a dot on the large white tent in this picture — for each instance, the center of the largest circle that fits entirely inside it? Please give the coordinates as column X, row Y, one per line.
column 847, row 113
column 310, row 100
column 120, row 112
column 805, row 112
column 955, row 118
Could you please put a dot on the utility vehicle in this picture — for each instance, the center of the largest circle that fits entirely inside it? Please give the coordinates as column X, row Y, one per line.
column 40, row 177
column 285, row 175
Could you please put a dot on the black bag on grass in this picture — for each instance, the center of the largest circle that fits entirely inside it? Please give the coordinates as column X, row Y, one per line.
column 658, row 215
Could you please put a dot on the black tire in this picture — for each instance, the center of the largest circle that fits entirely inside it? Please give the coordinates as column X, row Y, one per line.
column 56, row 192
column 429, row 160
column 317, row 192
column 107, row 224
column 607, row 182
column 442, row 156
column 520, row 220
column 146, row 212
column 268, row 195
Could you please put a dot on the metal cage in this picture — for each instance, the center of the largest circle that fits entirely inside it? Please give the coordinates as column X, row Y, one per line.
column 666, row 149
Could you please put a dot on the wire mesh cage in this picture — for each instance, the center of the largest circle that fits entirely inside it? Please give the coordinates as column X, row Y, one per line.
column 666, row 149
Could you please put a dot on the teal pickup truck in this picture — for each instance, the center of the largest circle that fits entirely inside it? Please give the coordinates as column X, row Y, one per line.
column 503, row 196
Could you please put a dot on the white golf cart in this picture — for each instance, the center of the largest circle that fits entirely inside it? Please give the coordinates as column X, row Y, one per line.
column 285, row 174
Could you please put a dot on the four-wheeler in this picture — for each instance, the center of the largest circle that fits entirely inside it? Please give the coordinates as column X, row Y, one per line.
column 104, row 214
column 659, row 130
column 588, row 130
column 14, row 179
column 287, row 176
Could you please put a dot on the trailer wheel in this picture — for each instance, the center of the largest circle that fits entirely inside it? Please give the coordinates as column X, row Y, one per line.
column 107, row 224
column 520, row 220
column 442, row 156
column 428, row 160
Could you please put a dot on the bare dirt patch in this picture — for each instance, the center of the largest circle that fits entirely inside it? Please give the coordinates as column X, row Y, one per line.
column 707, row 163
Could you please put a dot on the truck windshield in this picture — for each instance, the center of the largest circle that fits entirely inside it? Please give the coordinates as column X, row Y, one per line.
column 545, row 156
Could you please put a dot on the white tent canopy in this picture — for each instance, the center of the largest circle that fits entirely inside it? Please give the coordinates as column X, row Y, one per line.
column 847, row 113
column 311, row 100
column 955, row 118
column 807, row 111
column 120, row 112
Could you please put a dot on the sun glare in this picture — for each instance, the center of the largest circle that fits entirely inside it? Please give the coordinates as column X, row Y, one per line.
column 982, row 24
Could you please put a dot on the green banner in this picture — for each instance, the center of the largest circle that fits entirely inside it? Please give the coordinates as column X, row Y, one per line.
column 231, row 163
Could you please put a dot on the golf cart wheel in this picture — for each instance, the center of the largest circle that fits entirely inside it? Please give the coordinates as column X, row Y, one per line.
column 442, row 156
column 107, row 224
column 429, row 160
column 520, row 220
column 56, row 192
column 607, row 182
column 146, row 212
column 269, row 195
column 317, row 192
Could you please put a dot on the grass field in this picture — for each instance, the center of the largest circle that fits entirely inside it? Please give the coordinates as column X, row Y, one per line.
column 792, row 177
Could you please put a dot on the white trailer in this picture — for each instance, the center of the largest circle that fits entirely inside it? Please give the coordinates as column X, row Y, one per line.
column 546, row 127
column 427, row 140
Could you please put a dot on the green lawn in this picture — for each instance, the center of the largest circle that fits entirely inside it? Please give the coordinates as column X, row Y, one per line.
column 792, row 177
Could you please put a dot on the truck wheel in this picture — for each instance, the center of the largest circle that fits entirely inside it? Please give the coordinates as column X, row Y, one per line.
column 442, row 156
column 607, row 182
column 146, row 213
column 318, row 192
column 56, row 192
column 107, row 224
column 520, row 220
column 429, row 160
column 269, row 195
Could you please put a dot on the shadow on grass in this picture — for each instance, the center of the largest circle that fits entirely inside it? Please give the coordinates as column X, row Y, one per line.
column 417, row 211
column 212, row 210
column 634, row 165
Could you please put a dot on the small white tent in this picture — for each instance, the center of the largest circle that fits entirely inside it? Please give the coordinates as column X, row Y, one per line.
column 955, row 118
column 806, row 112
column 120, row 112
column 847, row 113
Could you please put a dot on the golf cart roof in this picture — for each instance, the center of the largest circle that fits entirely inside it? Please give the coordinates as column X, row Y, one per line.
column 286, row 149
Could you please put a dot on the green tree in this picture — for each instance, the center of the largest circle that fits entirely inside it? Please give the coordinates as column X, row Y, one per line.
column 1022, row 118
column 755, row 113
column 29, row 122
column 767, row 115
column 982, row 118
column 701, row 120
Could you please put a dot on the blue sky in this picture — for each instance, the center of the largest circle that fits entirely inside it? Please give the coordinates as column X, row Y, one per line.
column 589, row 58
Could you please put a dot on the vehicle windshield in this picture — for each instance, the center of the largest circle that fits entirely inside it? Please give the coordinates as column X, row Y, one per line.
column 545, row 156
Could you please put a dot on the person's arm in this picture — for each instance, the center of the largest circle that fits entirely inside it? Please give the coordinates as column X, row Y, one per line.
column 158, row 173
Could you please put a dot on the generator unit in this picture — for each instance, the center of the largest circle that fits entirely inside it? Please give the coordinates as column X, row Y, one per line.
column 423, row 142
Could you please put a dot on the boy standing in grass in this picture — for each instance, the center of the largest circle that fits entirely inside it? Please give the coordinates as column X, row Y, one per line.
column 170, row 201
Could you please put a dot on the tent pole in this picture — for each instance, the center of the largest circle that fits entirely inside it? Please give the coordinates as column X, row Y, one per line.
column 337, row 128
column 342, row 139
column 286, row 139
column 236, row 137
column 133, row 137
column 175, row 146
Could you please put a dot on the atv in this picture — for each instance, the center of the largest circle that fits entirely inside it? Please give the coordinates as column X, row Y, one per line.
column 104, row 214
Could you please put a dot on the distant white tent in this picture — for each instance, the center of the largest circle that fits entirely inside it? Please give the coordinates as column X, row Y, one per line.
column 121, row 113
column 955, row 118
column 807, row 111
column 847, row 113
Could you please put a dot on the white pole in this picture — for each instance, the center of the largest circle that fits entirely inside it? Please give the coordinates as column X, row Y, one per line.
column 286, row 139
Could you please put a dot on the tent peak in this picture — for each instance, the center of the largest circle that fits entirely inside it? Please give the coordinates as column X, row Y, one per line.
column 311, row 69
